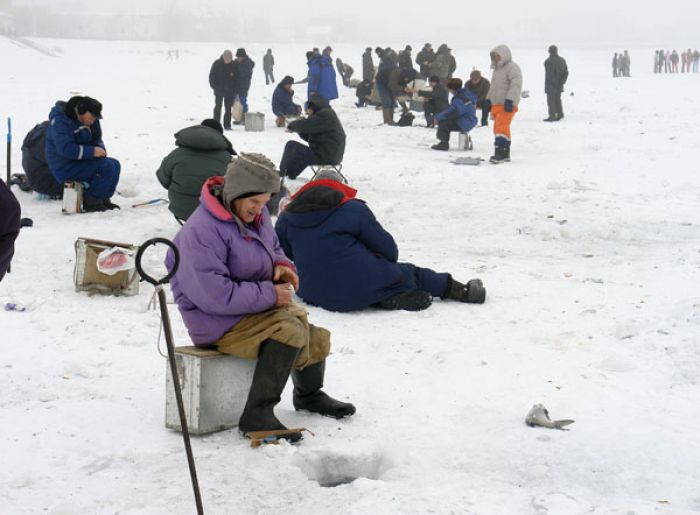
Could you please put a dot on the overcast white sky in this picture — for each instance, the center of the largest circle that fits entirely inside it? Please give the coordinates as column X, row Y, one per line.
column 597, row 23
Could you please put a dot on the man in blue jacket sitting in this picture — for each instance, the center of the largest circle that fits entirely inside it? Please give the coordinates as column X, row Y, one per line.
column 347, row 261
column 460, row 116
column 75, row 151
column 283, row 101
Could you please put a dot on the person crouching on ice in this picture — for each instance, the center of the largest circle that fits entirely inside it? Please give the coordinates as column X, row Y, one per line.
column 234, row 289
column 347, row 261
column 460, row 116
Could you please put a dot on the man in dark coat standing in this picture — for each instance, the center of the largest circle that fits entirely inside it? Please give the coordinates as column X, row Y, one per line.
column 268, row 65
column 424, row 58
column 222, row 82
column 367, row 65
column 242, row 75
column 323, row 132
column 9, row 226
column 405, row 60
column 555, row 75
column 480, row 87
column 347, row 261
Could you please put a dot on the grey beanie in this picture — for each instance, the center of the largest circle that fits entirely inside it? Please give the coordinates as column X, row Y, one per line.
column 249, row 173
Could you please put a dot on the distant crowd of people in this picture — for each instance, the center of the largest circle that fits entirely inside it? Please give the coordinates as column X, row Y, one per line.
column 667, row 61
column 621, row 64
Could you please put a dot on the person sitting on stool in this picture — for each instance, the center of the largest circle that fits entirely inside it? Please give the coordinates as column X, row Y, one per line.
column 324, row 133
column 283, row 102
column 460, row 116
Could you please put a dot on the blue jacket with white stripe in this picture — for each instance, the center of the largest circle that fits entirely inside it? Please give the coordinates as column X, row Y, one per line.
column 68, row 142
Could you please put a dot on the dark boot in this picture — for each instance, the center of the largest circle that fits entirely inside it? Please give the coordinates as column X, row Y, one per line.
column 275, row 362
column 502, row 155
column 109, row 204
column 388, row 113
column 472, row 292
column 93, row 205
column 443, row 145
column 506, row 154
column 550, row 118
column 416, row 300
column 309, row 396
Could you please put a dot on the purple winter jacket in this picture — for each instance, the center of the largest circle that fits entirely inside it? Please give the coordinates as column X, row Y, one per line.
column 226, row 268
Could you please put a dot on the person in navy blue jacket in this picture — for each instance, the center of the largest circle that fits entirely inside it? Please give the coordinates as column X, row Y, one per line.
column 9, row 226
column 347, row 261
column 322, row 78
column 75, row 151
column 460, row 116
column 242, row 75
column 283, row 101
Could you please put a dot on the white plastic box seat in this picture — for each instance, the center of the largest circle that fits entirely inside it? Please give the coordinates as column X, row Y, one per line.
column 214, row 389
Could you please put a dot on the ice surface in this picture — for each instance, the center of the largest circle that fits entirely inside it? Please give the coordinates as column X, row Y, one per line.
column 588, row 244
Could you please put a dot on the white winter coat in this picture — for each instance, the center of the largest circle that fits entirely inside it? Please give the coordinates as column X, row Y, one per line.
column 507, row 79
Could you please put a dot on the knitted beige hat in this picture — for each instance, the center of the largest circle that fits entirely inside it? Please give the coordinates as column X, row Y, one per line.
column 249, row 174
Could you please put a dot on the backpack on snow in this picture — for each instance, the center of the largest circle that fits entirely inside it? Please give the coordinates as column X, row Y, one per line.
column 406, row 119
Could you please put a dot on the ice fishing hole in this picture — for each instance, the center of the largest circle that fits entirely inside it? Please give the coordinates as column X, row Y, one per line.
column 330, row 469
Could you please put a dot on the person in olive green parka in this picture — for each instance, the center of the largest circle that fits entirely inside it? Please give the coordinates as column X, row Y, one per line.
column 202, row 152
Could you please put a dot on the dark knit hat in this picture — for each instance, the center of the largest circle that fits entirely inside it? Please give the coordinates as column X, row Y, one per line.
column 213, row 124
column 287, row 80
column 86, row 105
column 249, row 174
column 475, row 74
column 241, row 53
column 553, row 49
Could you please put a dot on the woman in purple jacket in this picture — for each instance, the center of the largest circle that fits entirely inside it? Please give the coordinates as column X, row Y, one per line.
column 234, row 289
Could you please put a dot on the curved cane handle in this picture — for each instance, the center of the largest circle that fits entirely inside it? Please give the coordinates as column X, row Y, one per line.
column 139, row 255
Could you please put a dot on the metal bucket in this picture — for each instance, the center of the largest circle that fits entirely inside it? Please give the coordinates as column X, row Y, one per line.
column 72, row 197
column 254, row 122
column 465, row 141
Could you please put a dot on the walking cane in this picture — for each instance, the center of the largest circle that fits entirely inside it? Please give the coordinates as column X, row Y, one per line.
column 171, row 352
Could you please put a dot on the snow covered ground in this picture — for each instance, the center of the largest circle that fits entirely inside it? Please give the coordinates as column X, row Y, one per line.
column 588, row 244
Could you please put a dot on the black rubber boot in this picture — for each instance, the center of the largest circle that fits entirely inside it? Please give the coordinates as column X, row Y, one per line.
column 472, row 292
column 309, row 396
column 275, row 362
column 109, row 204
column 502, row 155
column 443, row 145
column 416, row 300
column 93, row 205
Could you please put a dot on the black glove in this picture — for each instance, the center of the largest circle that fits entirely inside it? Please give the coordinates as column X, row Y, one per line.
column 508, row 106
